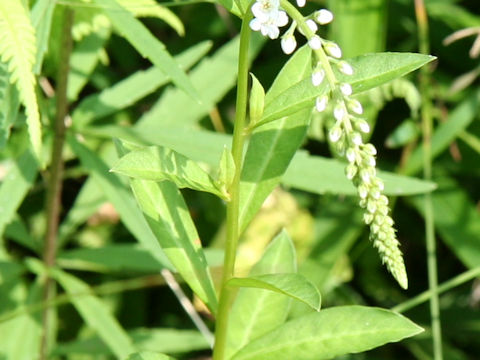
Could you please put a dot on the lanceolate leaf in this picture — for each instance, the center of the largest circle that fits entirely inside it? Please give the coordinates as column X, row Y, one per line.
column 255, row 312
column 18, row 49
column 42, row 15
column 159, row 163
column 294, row 285
column 149, row 355
column 330, row 333
column 370, row 70
column 167, row 215
column 146, row 44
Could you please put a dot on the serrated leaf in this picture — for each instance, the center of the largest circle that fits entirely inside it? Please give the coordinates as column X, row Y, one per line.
column 146, row 44
column 370, row 70
column 294, row 285
column 158, row 163
column 168, row 217
column 149, row 355
column 255, row 312
column 329, row 333
column 18, row 49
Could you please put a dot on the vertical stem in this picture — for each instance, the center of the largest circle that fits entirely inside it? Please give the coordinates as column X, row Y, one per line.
column 54, row 186
column 426, row 115
column 234, row 204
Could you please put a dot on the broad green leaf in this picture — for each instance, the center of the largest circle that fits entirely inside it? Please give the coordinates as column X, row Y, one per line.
column 95, row 314
column 146, row 44
column 42, row 15
column 255, row 312
column 205, row 76
column 9, row 270
column 329, row 333
column 322, row 175
column 294, row 285
column 167, row 215
column 160, row 163
column 457, row 220
column 132, row 89
column 120, row 196
column 272, row 146
column 371, row 70
column 149, row 355
column 14, row 187
column 446, row 132
column 18, row 49
column 162, row 340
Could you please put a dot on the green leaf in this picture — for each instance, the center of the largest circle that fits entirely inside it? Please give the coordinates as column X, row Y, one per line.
column 130, row 90
column 322, row 175
column 167, row 215
column 149, row 355
column 95, row 314
column 158, row 163
column 18, row 49
column 15, row 186
column 42, row 15
column 120, row 197
column 257, row 100
column 370, row 70
column 226, row 170
column 146, row 44
column 9, row 105
column 329, row 333
column 255, row 312
column 294, row 285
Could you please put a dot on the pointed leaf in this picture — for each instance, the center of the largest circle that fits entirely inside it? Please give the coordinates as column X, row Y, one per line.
column 226, row 170
column 255, row 312
column 158, row 163
column 370, row 70
column 330, row 333
column 294, row 285
column 257, row 100
column 42, row 15
column 149, row 355
column 146, row 44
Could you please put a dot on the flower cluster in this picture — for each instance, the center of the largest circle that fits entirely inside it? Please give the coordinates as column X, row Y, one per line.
column 346, row 133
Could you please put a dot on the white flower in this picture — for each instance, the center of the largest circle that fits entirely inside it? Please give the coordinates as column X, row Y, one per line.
column 288, row 44
column 323, row 17
column 315, row 42
column 357, row 138
column 335, row 134
column 345, row 68
column 268, row 18
column 301, row 3
column 339, row 112
column 333, row 50
column 351, row 155
column 321, row 103
column 312, row 25
column 346, row 89
column 363, row 126
column 317, row 77
column 355, row 106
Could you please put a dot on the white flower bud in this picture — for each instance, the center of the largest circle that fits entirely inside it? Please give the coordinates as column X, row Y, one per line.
column 371, row 207
column 323, row 17
column 363, row 126
column 370, row 149
column 365, row 176
column 346, row 89
column 335, row 134
column 357, row 138
column 339, row 112
column 351, row 171
column 282, row 18
column 351, row 155
column 383, row 200
column 321, row 103
column 333, row 50
column 288, row 44
column 362, row 191
column 312, row 25
column 345, row 68
column 355, row 106
column 367, row 218
column 317, row 77
column 379, row 184
column 301, row 3
column 315, row 42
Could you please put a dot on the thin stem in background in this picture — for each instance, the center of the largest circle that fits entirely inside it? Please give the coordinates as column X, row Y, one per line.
column 54, row 185
column 226, row 293
column 427, row 124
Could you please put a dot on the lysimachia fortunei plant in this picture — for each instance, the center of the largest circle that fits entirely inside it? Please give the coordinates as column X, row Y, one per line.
column 346, row 132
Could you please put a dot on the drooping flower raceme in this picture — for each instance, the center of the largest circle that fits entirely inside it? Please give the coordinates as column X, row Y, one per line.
column 268, row 18
column 345, row 134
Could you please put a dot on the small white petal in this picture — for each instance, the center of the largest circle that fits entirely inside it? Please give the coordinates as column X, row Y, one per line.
column 333, row 50
column 356, row 138
column 363, row 126
column 324, row 16
column 301, row 3
column 355, row 106
column 288, row 44
column 339, row 112
column 315, row 42
column 255, row 24
column 312, row 25
column 282, row 19
column 345, row 68
column 351, row 155
column 317, row 77
column 259, row 12
column 321, row 103
column 273, row 32
column 346, row 89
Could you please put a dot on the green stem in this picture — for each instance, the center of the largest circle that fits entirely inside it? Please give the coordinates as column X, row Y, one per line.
column 427, row 124
column 54, row 186
column 447, row 285
column 226, row 293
